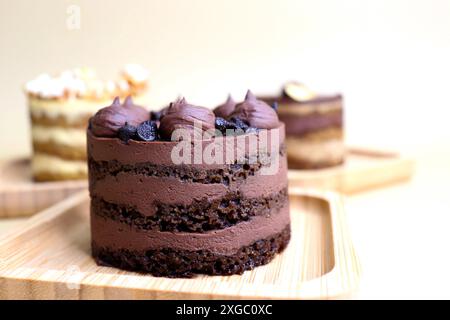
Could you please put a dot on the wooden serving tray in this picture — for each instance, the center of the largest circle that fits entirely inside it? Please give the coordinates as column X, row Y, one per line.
column 21, row 196
column 364, row 169
column 48, row 257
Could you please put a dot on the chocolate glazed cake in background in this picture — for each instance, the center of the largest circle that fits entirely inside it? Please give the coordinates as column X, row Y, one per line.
column 151, row 215
column 314, row 127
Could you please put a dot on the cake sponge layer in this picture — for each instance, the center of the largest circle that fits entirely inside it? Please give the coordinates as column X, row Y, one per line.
column 61, row 151
column 170, row 262
column 199, row 216
column 116, row 235
column 313, row 153
column 47, row 167
column 72, row 112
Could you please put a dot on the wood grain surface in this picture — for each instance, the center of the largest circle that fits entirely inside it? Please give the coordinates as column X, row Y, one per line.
column 21, row 196
column 48, row 257
column 364, row 169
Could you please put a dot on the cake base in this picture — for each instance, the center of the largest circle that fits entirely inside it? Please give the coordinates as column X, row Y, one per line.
column 181, row 263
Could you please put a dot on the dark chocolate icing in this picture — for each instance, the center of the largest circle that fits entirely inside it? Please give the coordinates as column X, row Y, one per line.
column 301, row 125
column 224, row 110
column 108, row 149
column 256, row 113
column 107, row 121
column 182, row 115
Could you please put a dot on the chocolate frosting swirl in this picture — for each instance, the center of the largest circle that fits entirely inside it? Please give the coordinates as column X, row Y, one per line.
column 256, row 113
column 224, row 110
column 107, row 121
column 182, row 115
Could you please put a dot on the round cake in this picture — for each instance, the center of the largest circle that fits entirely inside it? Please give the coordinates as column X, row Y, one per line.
column 60, row 107
column 314, row 127
column 212, row 199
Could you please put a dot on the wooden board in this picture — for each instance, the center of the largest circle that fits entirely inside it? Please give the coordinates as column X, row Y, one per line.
column 363, row 170
column 21, row 196
column 8, row 224
column 48, row 257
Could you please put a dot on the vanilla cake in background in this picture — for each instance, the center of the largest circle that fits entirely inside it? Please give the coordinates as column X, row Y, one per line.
column 314, row 126
column 60, row 107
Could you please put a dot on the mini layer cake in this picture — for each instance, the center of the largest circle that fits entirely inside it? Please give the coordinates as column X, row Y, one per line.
column 152, row 214
column 314, row 127
column 60, row 108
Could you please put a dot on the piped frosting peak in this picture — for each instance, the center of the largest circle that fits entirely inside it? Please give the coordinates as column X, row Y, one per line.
column 226, row 109
column 256, row 113
column 182, row 115
column 107, row 121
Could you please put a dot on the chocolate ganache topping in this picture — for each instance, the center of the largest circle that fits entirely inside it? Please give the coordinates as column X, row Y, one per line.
column 182, row 115
column 256, row 113
column 107, row 121
column 224, row 110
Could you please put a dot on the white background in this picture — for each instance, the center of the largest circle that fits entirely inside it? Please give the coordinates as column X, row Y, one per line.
column 389, row 58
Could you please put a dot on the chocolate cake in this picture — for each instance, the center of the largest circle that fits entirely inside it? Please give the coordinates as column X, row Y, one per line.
column 314, row 126
column 60, row 107
column 151, row 212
